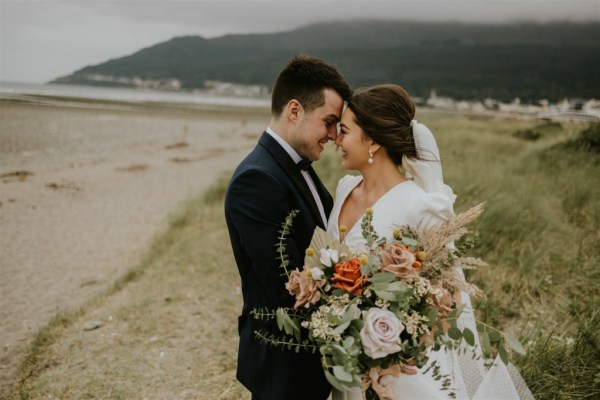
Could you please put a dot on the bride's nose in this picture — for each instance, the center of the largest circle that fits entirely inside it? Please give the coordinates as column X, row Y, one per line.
column 338, row 139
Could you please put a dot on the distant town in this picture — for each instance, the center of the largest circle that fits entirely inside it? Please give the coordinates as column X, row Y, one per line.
column 581, row 110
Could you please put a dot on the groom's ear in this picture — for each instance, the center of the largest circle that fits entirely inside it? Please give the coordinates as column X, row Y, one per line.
column 294, row 110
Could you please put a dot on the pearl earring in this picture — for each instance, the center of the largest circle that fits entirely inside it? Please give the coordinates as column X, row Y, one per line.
column 370, row 160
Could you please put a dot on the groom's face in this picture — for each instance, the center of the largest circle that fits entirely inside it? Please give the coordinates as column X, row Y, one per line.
column 317, row 127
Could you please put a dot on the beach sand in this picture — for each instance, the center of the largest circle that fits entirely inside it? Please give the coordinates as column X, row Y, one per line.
column 83, row 191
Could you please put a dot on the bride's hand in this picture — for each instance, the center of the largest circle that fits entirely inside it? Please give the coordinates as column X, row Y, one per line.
column 408, row 368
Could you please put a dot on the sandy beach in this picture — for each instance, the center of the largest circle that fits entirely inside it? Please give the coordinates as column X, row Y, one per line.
column 83, row 191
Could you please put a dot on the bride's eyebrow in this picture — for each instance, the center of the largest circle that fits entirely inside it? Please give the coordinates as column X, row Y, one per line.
column 343, row 126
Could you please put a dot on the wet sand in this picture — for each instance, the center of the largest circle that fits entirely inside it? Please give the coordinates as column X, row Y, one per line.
column 83, row 191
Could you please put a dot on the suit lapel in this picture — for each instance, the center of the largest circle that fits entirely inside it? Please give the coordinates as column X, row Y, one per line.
column 292, row 171
column 323, row 192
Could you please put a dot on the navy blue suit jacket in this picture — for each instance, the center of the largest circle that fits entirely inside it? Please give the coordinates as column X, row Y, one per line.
column 264, row 188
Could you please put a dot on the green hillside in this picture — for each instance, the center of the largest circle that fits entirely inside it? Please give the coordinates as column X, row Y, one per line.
column 530, row 61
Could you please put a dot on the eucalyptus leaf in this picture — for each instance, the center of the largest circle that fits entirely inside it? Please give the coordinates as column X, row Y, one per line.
column 385, row 295
column 382, row 277
column 366, row 269
column 514, row 344
column 503, row 354
column 455, row 333
column 341, row 374
column 381, row 286
column 334, row 382
column 480, row 327
column 456, row 312
column 469, row 336
column 357, row 324
column 348, row 342
column 341, row 328
column 495, row 336
column 279, row 315
column 290, row 326
column 399, row 287
column 349, row 312
column 485, row 342
column 432, row 316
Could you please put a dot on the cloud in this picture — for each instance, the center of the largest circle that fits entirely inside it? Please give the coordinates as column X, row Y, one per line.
column 40, row 40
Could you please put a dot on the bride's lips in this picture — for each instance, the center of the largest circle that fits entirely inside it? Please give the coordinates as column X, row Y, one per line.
column 322, row 144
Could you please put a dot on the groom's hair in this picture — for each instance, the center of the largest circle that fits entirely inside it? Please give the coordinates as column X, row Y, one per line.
column 304, row 78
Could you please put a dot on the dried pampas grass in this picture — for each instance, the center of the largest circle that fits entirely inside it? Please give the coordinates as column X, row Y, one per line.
column 443, row 262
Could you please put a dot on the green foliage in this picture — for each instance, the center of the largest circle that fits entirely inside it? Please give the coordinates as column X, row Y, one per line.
column 284, row 342
column 588, row 141
column 528, row 134
column 561, row 366
column 280, row 245
column 541, row 235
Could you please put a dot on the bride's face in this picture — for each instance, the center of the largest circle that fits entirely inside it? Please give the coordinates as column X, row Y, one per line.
column 353, row 142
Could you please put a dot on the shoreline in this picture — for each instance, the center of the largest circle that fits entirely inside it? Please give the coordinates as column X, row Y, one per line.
column 163, row 107
column 85, row 192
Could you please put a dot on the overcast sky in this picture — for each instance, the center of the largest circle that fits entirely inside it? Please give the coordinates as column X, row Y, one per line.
column 43, row 39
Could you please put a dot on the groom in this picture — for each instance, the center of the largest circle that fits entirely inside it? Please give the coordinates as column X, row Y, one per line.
column 275, row 178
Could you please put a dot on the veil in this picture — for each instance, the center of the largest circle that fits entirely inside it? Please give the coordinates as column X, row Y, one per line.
column 472, row 380
column 427, row 173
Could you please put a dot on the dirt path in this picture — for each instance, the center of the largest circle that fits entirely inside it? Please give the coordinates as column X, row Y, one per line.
column 82, row 194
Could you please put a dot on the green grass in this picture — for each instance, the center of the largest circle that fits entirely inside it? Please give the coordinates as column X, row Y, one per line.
column 540, row 233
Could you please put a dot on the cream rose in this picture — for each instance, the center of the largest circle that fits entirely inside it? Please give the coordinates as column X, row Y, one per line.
column 380, row 334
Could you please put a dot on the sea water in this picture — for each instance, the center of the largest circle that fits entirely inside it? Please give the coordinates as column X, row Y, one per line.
column 20, row 91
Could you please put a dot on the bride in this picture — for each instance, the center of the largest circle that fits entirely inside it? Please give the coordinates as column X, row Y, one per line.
column 378, row 134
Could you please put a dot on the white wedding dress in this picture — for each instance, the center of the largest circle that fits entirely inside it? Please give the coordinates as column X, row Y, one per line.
column 426, row 200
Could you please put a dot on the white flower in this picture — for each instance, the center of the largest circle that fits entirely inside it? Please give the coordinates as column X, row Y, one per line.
column 329, row 257
column 380, row 335
column 316, row 273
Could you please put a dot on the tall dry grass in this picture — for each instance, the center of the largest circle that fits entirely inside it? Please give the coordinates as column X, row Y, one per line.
column 169, row 328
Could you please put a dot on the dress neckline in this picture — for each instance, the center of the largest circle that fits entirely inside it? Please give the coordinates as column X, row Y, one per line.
column 358, row 181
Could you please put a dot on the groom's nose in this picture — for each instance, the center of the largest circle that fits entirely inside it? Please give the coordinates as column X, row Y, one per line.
column 332, row 133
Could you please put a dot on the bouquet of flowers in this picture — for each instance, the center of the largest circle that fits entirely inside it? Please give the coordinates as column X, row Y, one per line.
column 376, row 313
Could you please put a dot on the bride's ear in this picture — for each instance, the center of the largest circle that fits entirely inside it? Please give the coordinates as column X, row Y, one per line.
column 374, row 147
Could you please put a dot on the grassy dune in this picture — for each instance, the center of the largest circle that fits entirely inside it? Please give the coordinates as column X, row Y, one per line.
column 169, row 327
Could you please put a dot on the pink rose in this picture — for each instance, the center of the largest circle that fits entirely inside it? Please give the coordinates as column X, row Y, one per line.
column 304, row 287
column 401, row 262
column 442, row 301
column 382, row 380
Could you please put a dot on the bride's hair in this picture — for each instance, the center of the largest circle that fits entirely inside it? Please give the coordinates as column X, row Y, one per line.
column 384, row 113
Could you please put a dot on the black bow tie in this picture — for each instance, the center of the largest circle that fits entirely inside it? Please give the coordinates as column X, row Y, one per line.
column 304, row 164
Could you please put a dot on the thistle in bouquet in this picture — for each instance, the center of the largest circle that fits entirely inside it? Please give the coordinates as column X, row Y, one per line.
column 375, row 313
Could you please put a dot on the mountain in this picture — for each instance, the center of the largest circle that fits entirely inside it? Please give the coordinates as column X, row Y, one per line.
column 464, row 61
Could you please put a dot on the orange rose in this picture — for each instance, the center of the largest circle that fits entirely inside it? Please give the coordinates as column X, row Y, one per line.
column 347, row 276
